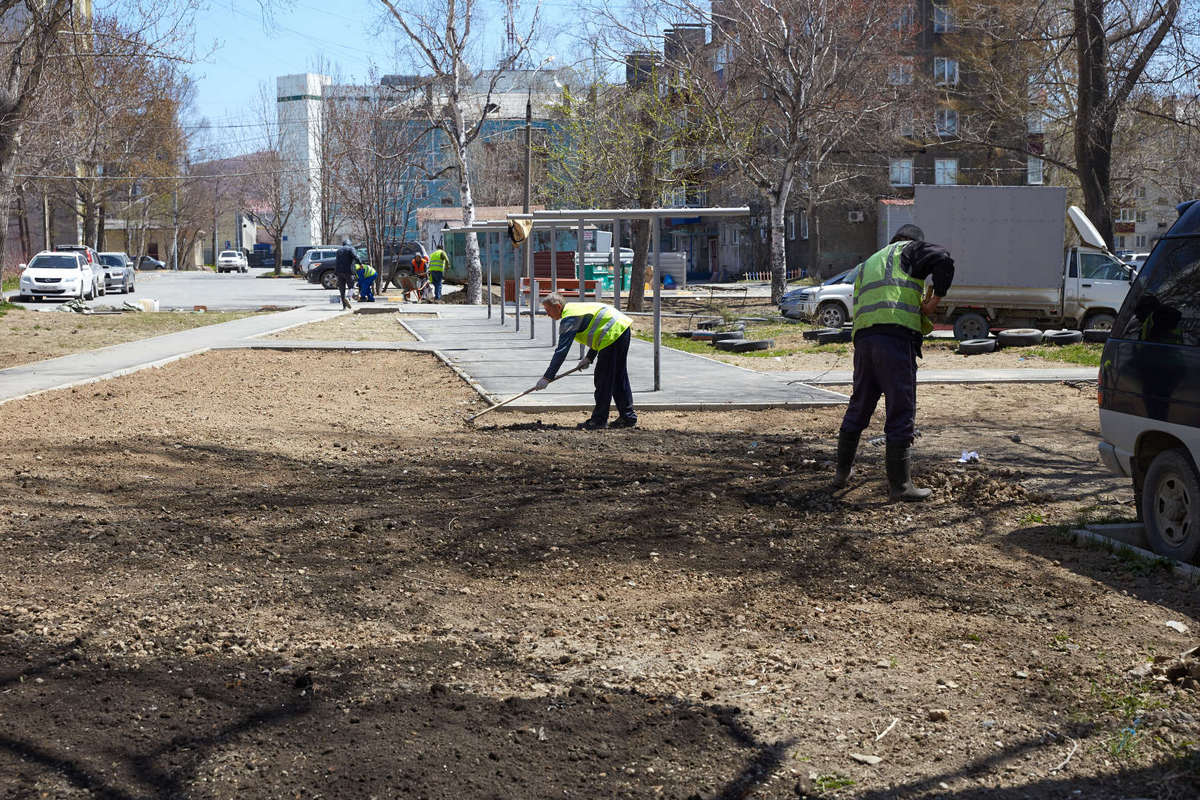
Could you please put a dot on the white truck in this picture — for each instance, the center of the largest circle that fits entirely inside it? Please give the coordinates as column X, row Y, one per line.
column 1011, row 265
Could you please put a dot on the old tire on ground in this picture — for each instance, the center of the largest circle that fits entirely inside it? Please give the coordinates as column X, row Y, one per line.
column 329, row 279
column 831, row 314
column 708, row 324
column 816, row 333
column 745, row 346
column 1099, row 321
column 1096, row 334
column 836, row 337
column 974, row 347
column 1060, row 338
column 1019, row 337
column 971, row 325
column 1171, row 505
column 724, row 336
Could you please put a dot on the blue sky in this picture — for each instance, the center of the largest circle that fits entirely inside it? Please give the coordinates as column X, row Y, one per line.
column 299, row 36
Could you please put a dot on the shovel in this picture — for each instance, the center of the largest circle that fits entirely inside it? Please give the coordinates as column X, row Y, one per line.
column 518, row 396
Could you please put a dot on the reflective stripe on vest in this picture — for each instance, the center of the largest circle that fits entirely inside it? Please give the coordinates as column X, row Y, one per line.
column 606, row 327
column 368, row 271
column 884, row 294
column 437, row 261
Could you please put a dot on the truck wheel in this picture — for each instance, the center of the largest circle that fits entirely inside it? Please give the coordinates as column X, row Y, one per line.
column 1099, row 322
column 1171, row 506
column 1063, row 337
column 329, row 280
column 831, row 314
column 1019, row 337
column 971, row 326
column 974, row 347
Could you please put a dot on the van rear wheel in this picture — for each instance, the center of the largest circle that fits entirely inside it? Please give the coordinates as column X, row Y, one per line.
column 1171, row 506
column 971, row 326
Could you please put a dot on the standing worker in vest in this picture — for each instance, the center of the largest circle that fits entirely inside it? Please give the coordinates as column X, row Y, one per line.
column 437, row 266
column 343, row 268
column 605, row 331
column 890, row 320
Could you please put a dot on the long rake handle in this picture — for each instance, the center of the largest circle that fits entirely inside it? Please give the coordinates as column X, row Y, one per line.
column 518, row 396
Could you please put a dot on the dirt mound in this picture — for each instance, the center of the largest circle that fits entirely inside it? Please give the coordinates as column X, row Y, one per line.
column 974, row 486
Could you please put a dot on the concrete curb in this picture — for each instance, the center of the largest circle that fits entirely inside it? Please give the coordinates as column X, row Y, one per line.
column 1130, row 538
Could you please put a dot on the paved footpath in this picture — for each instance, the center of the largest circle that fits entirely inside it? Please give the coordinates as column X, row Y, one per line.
column 845, row 377
column 500, row 362
column 122, row 359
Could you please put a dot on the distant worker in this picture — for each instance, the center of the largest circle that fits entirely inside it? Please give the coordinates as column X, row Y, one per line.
column 366, row 283
column 605, row 331
column 890, row 320
column 437, row 266
column 343, row 268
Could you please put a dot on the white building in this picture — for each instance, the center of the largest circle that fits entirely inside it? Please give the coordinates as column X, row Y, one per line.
column 298, row 106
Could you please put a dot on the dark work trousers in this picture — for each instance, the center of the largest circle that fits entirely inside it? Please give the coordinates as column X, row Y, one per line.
column 612, row 381
column 884, row 365
column 344, row 283
column 435, row 275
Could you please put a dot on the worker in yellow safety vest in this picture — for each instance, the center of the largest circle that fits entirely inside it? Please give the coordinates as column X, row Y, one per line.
column 605, row 331
column 437, row 266
column 366, row 283
column 890, row 320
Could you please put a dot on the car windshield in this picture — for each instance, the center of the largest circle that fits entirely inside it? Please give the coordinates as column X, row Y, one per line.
column 54, row 262
column 839, row 278
column 228, row 254
column 111, row 261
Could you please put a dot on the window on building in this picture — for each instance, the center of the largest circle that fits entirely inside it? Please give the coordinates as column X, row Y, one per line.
column 803, row 224
column 1141, row 192
column 945, row 171
column 905, row 124
column 677, row 157
column 901, row 172
column 946, row 121
column 1141, row 217
column 1036, row 122
column 943, row 18
column 1127, row 215
column 1139, row 241
column 1033, row 171
column 945, row 71
column 906, row 21
column 1119, row 241
column 901, row 73
column 791, row 227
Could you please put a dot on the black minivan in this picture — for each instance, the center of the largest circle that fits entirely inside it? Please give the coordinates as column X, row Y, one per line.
column 1150, row 390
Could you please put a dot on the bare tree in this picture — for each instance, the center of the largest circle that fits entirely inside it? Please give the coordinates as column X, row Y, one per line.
column 458, row 95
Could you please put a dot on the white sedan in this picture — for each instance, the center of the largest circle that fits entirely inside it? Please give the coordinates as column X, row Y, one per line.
column 232, row 261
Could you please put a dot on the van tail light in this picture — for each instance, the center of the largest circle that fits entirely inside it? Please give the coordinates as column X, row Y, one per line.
column 1100, row 396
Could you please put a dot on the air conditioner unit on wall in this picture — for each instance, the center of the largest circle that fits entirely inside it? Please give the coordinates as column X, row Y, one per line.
column 856, row 216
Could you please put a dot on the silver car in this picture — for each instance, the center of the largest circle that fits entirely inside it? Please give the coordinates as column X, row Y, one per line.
column 118, row 272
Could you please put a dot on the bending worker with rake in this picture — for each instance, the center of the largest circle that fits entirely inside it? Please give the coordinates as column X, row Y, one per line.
column 606, row 332
column 890, row 320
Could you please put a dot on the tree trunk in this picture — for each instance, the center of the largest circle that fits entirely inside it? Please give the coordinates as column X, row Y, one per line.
column 277, row 238
column 10, row 146
column 778, row 247
column 23, row 226
column 100, row 214
column 1094, row 119
column 474, row 285
column 637, row 276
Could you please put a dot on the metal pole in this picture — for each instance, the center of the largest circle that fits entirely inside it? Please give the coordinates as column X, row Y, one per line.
column 528, row 203
column 500, row 255
column 487, row 255
column 532, row 286
column 616, row 263
column 175, row 235
column 554, row 279
column 657, row 278
column 580, row 271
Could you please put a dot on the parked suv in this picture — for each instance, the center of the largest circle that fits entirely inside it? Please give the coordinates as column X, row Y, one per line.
column 1150, row 390
column 118, row 272
column 93, row 262
column 830, row 304
column 232, row 261
column 315, row 254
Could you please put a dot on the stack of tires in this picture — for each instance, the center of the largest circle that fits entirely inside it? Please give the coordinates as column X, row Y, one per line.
column 1020, row 337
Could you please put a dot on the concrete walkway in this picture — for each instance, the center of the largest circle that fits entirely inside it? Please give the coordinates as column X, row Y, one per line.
column 500, row 362
column 121, row 359
column 845, row 377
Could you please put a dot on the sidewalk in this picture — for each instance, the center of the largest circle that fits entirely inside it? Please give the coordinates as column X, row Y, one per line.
column 845, row 377
column 121, row 359
column 500, row 362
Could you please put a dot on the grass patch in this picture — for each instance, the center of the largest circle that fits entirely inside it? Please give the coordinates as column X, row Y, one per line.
column 831, row 783
column 272, row 275
column 11, row 283
column 1085, row 354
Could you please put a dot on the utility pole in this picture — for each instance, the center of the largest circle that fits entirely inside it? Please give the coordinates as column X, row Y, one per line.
column 214, row 230
column 175, row 235
column 528, row 204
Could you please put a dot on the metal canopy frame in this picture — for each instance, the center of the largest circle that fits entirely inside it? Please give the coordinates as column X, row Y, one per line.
column 553, row 220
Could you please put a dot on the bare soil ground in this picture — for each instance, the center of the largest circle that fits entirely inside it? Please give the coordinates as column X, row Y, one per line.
column 379, row 327
column 268, row 575
column 27, row 336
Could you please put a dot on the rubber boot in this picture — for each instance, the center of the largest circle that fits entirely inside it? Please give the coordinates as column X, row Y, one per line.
column 899, row 479
column 345, row 303
column 846, row 449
